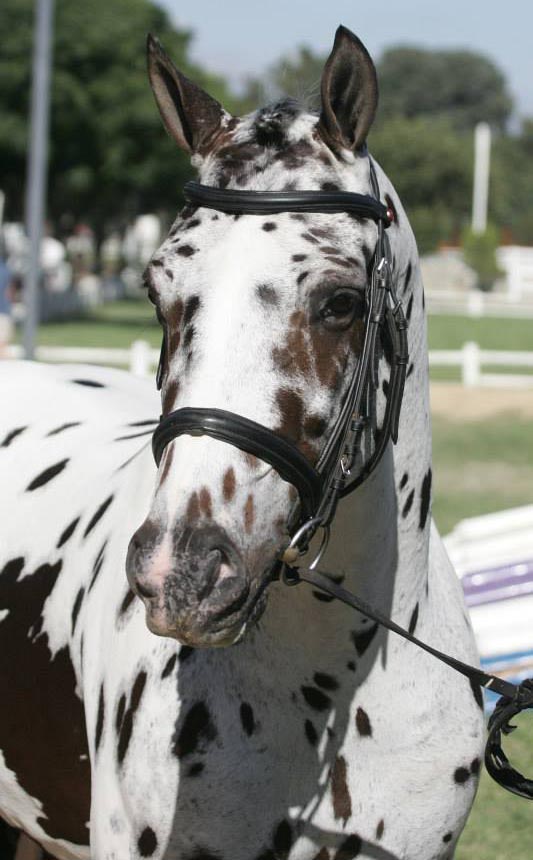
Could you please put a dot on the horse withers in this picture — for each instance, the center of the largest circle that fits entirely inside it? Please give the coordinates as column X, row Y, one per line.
column 261, row 722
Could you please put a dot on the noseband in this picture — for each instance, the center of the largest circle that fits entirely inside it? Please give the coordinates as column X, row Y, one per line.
column 335, row 474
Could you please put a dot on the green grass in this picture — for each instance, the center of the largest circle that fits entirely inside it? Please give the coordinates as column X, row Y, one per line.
column 116, row 324
column 450, row 332
column 480, row 467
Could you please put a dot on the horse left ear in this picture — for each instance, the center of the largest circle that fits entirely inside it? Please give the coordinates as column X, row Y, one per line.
column 190, row 115
column 349, row 90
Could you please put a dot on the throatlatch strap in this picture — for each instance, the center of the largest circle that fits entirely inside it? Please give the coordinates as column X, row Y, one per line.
column 514, row 697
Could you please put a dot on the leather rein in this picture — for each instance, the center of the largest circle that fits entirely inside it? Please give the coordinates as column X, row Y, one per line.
column 340, row 467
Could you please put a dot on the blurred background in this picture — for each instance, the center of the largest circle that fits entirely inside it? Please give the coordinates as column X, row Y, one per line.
column 455, row 134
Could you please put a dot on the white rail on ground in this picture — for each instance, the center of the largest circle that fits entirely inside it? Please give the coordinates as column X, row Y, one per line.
column 140, row 358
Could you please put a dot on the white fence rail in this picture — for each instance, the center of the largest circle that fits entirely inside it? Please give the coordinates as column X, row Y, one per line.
column 473, row 303
column 140, row 358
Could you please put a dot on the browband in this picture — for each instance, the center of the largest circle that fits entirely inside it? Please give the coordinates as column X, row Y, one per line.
column 274, row 202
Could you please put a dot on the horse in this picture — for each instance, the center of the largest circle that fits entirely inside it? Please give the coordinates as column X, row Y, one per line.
column 200, row 709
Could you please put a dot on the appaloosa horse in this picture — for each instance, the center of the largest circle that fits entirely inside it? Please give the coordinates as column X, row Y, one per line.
column 318, row 736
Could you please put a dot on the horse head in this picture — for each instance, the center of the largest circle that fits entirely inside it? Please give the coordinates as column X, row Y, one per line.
column 263, row 317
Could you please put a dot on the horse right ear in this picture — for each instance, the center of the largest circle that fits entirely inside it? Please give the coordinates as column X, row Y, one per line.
column 191, row 116
column 349, row 91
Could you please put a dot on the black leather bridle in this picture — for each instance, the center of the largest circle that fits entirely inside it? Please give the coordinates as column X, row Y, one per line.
column 320, row 487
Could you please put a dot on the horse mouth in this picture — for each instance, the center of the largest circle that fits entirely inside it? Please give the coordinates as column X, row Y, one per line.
column 215, row 621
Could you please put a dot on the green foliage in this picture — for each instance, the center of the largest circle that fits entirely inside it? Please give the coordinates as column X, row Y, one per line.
column 479, row 250
column 431, row 168
column 109, row 156
column 463, row 86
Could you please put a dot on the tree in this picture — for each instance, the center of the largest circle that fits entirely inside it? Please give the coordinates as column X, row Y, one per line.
column 463, row 86
column 109, row 156
column 431, row 168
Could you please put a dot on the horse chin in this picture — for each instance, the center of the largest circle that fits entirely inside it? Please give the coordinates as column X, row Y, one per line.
column 197, row 631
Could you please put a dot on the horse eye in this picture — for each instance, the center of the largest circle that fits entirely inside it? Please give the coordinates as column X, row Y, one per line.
column 340, row 310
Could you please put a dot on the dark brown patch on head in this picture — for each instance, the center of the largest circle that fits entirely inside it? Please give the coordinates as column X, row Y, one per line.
column 298, row 258
column 169, row 396
column 323, row 854
column 268, row 226
column 186, row 250
column 315, row 426
column 290, row 405
column 228, row 484
column 58, row 739
column 249, row 514
column 175, row 314
column 206, row 506
column 342, row 802
column 193, row 508
column 295, row 356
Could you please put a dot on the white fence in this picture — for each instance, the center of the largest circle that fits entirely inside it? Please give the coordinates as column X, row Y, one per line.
column 473, row 303
column 471, row 359
column 140, row 358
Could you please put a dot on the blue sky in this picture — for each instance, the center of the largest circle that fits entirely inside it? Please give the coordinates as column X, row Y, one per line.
column 239, row 37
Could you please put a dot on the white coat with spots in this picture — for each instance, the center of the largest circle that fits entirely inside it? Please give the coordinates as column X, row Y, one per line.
column 314, row 735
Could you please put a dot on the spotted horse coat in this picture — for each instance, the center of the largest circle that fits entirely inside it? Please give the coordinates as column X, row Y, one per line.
column 316, row 735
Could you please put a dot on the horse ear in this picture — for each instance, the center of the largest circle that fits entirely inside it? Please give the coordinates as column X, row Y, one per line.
column 190, row 115
column 349, row 90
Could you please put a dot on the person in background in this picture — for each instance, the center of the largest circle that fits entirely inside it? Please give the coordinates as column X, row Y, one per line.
column 6, row 325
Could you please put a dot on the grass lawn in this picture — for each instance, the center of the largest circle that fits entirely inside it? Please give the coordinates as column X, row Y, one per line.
column 450, row 332
column 480, row 467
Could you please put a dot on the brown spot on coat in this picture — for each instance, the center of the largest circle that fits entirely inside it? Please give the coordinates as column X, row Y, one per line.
column 186, row 250
column 342, row 802
column 249, row 514
column 290, row 405
column 380, row 829
column 206, row 506
column 228, row 484
column 169, row 396
column 193, row 508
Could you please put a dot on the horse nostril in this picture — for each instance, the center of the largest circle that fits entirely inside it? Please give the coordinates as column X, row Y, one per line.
column 210, row 572
column 143, row 591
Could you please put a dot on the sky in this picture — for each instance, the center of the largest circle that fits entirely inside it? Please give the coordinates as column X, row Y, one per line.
column 243, row 37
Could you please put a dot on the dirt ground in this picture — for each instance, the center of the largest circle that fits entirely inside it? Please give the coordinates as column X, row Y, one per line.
column 456, row 403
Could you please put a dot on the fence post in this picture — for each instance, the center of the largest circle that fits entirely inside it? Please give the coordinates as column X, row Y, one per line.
column 471, row 365
column 140, row 358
